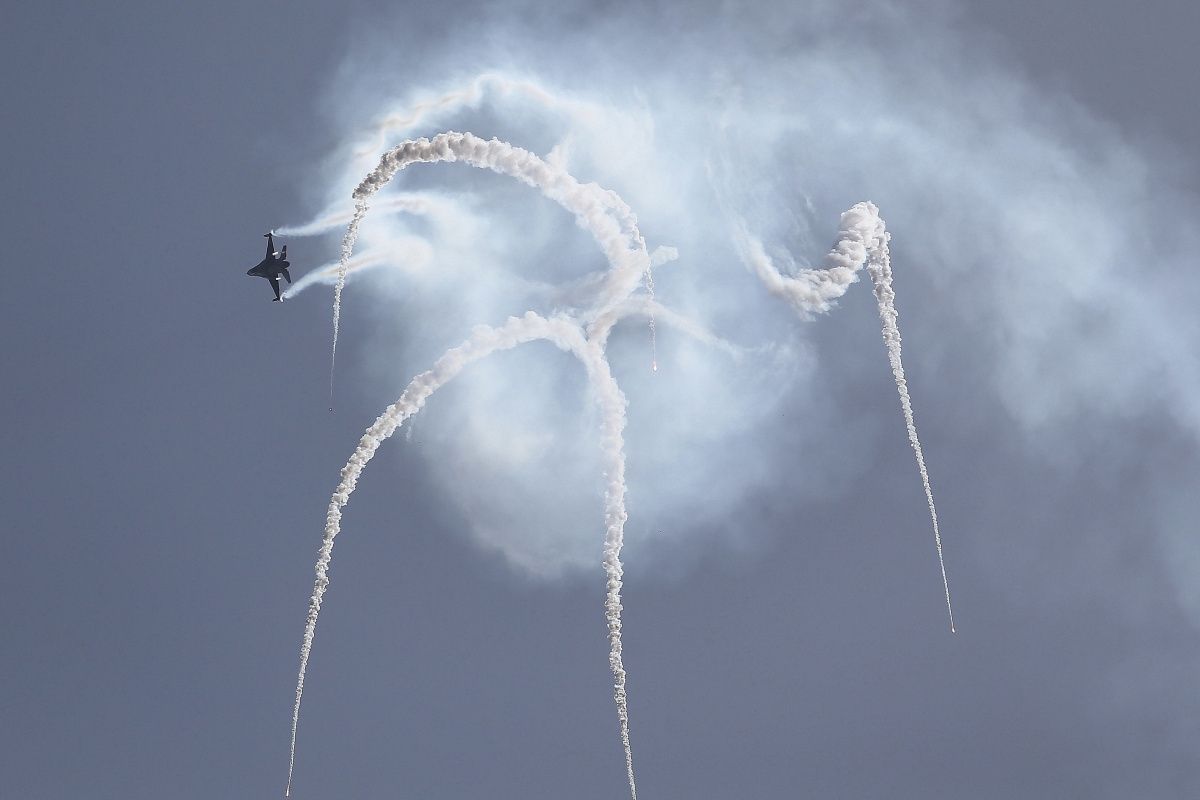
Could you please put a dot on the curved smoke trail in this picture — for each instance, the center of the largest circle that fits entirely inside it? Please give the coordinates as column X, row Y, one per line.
column 862, row 241
column 484, row 341
column 602, row 212
column 568, row 335
column 614, row 226
column 360, row 210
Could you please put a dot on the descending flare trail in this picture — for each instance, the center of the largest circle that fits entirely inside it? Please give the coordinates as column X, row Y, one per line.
column 862, row 241
column 360, row 211
column 879, row 267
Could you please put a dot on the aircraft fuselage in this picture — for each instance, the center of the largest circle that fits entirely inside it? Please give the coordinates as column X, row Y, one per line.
column 274, row 265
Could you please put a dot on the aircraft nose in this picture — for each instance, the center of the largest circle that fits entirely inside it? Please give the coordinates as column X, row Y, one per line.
column 250, row 271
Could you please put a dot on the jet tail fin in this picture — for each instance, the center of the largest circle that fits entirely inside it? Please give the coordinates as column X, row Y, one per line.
column 283, row 254
column 286, row 275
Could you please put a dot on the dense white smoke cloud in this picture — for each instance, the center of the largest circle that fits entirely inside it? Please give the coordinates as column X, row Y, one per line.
column 862, row 241
column 1040, row 261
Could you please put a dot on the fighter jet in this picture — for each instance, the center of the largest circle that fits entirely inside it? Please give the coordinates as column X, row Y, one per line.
column 274, row 265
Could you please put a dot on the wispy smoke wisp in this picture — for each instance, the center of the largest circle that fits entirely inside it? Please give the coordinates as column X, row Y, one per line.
column 414, row 204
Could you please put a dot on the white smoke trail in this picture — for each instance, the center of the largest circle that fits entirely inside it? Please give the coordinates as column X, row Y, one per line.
column 328, row 273
column 360, row 210
column 612, row 444
column 614, row 226
column 484, row 340
column 602, row 212
column 879, row 266
column 810, row 290
column 643, row 305
column 862, row 241
column 566, row 334
column 472, row 95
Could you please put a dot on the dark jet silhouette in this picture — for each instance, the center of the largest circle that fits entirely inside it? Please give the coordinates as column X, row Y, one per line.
column 274, row 265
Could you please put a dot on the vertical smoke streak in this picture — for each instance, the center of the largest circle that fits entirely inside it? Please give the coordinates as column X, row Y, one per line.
column 862, row 240
column 360, row 210
column 653, row 332
column 612, row 444
column 879, row 267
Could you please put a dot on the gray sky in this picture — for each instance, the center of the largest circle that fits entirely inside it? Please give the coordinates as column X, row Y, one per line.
column 168, row 456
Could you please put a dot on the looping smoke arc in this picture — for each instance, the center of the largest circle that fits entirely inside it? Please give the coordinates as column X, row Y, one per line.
column 862, row 241
column 602, row 212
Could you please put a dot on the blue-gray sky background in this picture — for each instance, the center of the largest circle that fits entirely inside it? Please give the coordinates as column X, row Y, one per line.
column 168, row 455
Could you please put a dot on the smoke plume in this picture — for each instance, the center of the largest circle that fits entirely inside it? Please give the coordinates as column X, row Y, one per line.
column 1042, row 263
